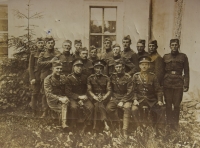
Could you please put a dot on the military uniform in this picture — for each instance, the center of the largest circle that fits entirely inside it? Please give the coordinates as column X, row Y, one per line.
column 88, row 68
column 34, row 73
column 138, row 55
column 66, row 58
column 76, row 85
column 99, row 85
column 174, row 82
column 122, row 92
column 45, row 65
column 147, row 91
column 93, row 59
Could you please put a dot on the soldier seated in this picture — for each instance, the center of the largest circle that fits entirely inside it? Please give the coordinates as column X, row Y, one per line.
column 148, row 96
column 54, row 88
column 99, row 90
column 122, row 87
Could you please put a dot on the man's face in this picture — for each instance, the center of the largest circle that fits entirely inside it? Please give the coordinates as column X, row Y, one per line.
column 116, row 51
column 119, row 68
column 98, row 69
column 66, row 46
column 78, row 68
column 40, row 44
column 140, row 47
column 144, row 67
column 50, row 44
column 83, row 55
column 174, row 46
column 57, row 70
column 78, row 46
column 152, row 48
column 93, row 53
column 126, row 44
column 107, row 45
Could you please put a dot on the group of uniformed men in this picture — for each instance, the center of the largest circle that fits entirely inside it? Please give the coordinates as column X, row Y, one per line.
column 99, row 88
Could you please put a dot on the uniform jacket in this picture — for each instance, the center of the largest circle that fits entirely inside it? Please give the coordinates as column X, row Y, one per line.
column 66, row 59
column 93, row 59
column 99, row 85
column 75, row 85
column 54, row 88
column 44, row 63
column 157, row 66
column 122, row 87
column 175, row 66
column 88, row 68
column 107, row 55
column 149, row 90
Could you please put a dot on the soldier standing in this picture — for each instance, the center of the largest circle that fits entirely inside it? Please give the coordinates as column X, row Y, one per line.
column 77, row 45
column 45, row 61
column 175, row 63
column 122, row 87
column 156, row 64
column 128, row 53
column 148, row 95
column 34, row 74
column 93, row 54
column 108, row 50
column 76, row 91
column 66, row 58
column 54, row 88
column 130, row 68
column 99, row 90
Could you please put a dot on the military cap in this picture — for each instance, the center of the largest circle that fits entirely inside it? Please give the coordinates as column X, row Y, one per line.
column 49, row 39
column 144, row 59
column 92, row 47
column 99, row 62
column 77, row 61
column 56, row 63
column 174, row 40
column 68, row 41
column 83, row 49
column 77, row 41
column 120, row 61
column 107, row 39
column 141, row 41
column 153, row 42
column 127, row 38
column 116, row 45
column 39, row 39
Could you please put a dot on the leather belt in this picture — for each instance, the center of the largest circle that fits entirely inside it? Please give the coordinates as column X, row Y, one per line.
column 174, row 72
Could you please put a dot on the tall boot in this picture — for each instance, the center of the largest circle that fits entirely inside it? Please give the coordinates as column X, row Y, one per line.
column 64, row 116
column 176, row 113
column 126, row 119
column 44, row 107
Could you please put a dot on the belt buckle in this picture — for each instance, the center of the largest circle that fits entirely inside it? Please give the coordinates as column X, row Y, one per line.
column 173, row 72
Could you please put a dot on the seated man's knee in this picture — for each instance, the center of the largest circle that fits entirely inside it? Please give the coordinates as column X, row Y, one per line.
column 73, row 105
column 134, row 109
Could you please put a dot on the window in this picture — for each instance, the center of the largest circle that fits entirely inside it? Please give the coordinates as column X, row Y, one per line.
column 3, row 30
column 102, row 25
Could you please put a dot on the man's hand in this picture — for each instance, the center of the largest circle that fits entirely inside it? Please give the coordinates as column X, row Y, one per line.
column 32, row 81
column 96, row 98
column 160, row 103
column 80, row 103
column 185, row 89
column 83, row 97
column 135, row 102
column 120, row 104
column 64, row 100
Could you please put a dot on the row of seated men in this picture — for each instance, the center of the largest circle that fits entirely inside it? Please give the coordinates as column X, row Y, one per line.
column 145, row 91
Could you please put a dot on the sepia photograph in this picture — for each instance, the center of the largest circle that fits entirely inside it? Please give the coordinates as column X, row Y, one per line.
column 99, row 74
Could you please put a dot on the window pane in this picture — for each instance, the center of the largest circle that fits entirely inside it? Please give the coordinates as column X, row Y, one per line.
column 3, row 11
column 109, row 26
column 96, row 26
column 96, row 40
column 112, row 37
column 110, row 14
column 3, row 50
column 96, row 13
column 3, row 25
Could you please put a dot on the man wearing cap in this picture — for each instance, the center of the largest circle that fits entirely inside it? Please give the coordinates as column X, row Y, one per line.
column 156, row 64
column 76, row 91
column 54, row 88
column 108, row 50
column 175, row 83
column 66, row 58
column 128, row 53
column 34, row 74
column 129, row 68
column 45, row 61
column 147, row 96
column 93, row 54
column 99, row 90
column 77, row 45
column 87, row 64
column 122, row 87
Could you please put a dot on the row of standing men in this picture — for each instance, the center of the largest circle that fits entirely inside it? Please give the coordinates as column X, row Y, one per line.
column 167, row 71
